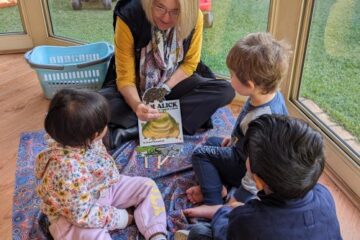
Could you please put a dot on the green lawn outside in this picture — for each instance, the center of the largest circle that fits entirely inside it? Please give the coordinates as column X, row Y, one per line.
column 233, row 19
column 10, row 21
column 331, row 75
column 90, row 24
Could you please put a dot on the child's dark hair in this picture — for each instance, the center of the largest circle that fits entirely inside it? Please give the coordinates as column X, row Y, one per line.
column 286, row 153
column 76, row 116
column 259, row 58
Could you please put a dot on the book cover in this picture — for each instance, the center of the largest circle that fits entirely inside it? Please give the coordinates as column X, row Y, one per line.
column 166, row 129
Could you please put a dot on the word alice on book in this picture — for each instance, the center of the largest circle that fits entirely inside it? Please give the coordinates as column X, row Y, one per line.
column 166, row 129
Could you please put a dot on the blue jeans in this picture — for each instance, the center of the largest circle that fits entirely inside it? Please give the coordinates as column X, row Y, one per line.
column 216, row 166
column 201, row 231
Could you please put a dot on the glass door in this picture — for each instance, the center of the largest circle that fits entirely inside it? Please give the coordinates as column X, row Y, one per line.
column 330, row 81
column 324, row 84
column 10, row 19
column 81, row 21
column 43, row 22
column 13, row 31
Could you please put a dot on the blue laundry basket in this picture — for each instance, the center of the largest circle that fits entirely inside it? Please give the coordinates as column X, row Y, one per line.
column 82, row 66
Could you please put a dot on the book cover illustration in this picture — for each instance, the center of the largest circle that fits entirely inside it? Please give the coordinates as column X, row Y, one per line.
column 166, row 129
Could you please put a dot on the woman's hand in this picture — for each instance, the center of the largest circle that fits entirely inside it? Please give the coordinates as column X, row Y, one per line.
column 142, row 111
column 146, row 113
column 226, row 142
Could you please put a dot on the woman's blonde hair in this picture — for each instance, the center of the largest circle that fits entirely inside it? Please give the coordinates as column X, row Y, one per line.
column 186, row 21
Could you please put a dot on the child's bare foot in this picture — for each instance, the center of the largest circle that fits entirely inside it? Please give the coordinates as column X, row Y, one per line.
column 203, row 211
column 195, row 195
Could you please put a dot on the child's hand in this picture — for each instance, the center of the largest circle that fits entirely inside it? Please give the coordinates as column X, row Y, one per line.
column 234, row 203
column 226, row 142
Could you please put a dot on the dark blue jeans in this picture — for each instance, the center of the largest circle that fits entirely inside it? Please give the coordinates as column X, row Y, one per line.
column 201, row 231
column 216, row 166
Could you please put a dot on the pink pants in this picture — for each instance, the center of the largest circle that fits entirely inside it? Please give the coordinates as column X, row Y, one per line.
column 140, row 192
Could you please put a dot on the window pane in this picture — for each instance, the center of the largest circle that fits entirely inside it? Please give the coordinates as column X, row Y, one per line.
column 232, row 19
column 10, row 20
column 90, row 24
column 330, row 85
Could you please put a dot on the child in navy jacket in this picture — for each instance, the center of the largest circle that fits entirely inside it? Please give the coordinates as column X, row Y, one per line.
column 285, row 159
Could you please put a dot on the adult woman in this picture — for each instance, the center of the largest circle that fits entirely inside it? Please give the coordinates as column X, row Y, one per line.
column 158, row 44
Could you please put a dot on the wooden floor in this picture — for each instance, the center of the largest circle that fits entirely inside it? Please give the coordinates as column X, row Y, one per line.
column 22, row 108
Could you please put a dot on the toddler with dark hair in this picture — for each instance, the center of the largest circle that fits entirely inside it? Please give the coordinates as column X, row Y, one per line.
column 82, row 192
column 285, row 159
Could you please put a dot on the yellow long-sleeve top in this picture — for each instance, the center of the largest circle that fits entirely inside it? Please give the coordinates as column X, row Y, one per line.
column 125, row 53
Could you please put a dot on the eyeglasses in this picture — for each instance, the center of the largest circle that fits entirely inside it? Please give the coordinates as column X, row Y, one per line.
column 162, row 11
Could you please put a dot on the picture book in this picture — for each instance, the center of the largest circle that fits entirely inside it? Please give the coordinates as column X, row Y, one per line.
column 166, row 129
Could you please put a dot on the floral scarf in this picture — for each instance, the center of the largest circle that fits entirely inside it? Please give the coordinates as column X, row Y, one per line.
column 160, row 58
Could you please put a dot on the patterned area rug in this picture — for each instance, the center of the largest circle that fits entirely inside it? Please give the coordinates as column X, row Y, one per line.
column 173, row 178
